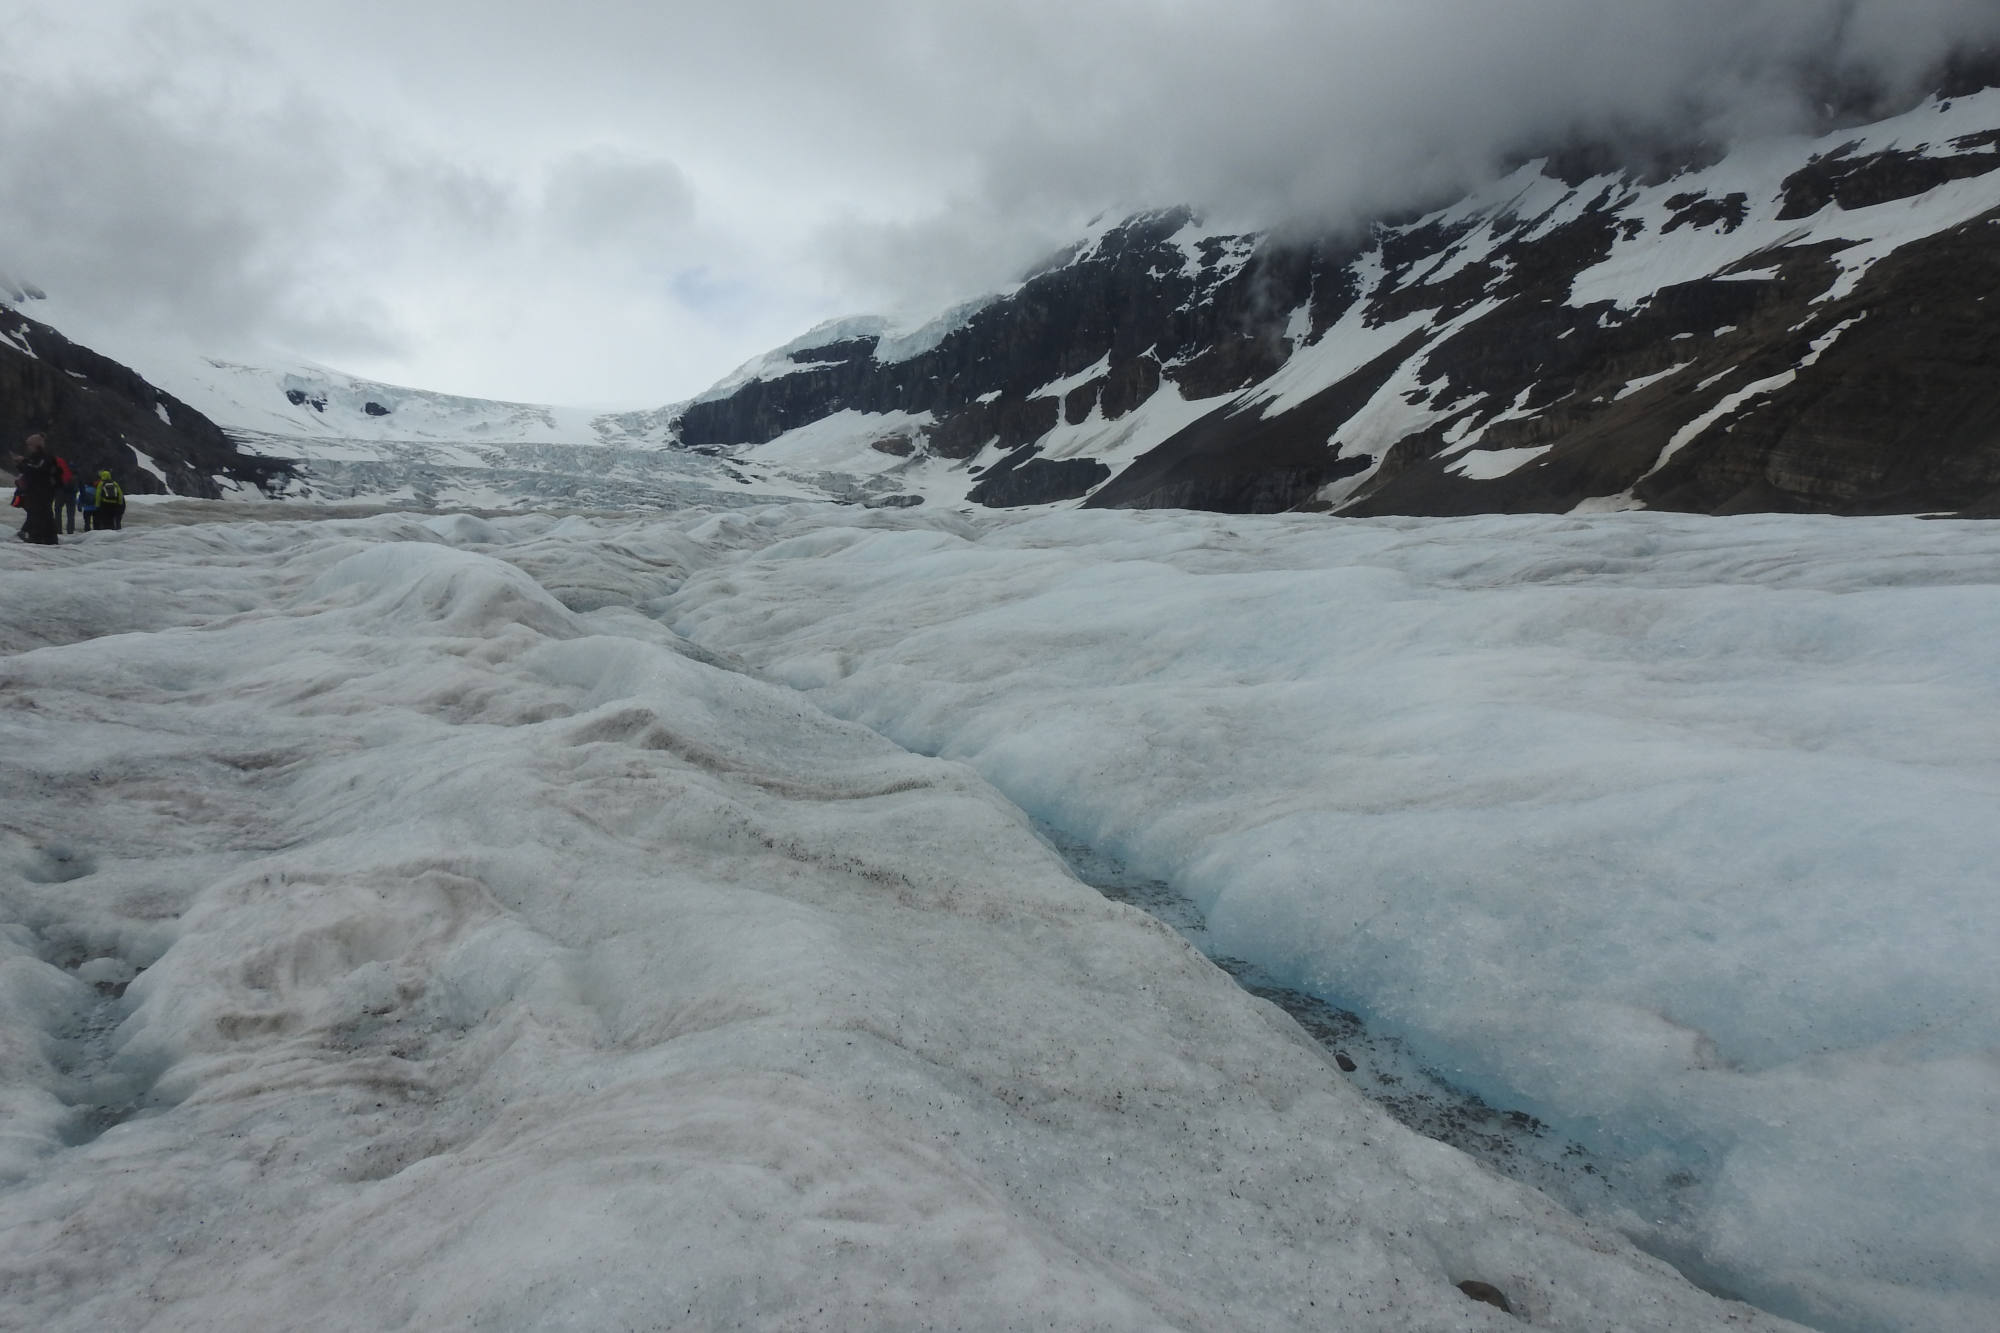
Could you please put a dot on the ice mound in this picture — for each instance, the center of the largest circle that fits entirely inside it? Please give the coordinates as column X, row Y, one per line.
column 464, row 530
column 415, row 583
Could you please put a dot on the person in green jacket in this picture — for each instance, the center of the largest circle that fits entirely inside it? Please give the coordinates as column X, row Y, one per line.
column 110, row 496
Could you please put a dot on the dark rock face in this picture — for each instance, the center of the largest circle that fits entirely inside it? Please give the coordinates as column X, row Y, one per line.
column 1494, row 363
column 1698, row 210
column 1128, row 385
column 1879, row 178
column 373, row 409
column 98, row 414
column 1200, row 316
column 1900, row 414
column 1233, row 466
column 1021, row 479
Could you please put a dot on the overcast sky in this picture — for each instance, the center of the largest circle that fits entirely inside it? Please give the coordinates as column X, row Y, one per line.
column 617, row 201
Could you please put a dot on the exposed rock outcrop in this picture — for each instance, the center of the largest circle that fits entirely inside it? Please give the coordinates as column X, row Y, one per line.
column 97, row 414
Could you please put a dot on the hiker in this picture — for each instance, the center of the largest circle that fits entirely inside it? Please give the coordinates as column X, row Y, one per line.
column 110, row 515
column 37, row 483
column 66, row 505
column 86, row 502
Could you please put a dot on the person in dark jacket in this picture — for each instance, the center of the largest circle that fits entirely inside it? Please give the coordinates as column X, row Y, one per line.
column 38, row 482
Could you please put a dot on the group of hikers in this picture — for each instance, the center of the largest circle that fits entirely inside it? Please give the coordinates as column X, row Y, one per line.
column 56, row 498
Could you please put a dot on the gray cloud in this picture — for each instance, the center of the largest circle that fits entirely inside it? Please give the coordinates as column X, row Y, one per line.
column 155, row 195
column 123, row 197
column 605, row 197
column 623, row 198
column 1297, row 112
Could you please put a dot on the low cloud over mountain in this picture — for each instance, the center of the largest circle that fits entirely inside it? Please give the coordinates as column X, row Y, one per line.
column 620, row 201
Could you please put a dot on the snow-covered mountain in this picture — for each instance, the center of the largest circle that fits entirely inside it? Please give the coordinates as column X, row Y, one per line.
column 206, row 426
column 99, row 413
column 352, row 438
column 302, row 401
column 1801, row 324
column 1798, row 324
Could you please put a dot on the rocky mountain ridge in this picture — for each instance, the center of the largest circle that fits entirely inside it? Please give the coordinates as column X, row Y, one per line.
column 1797, row 325
column 99, row 414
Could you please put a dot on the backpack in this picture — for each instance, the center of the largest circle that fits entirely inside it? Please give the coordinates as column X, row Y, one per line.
column 63, row 473
column 110, row 493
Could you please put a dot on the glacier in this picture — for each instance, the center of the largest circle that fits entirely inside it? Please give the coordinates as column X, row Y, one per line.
column 1668, row 831
column 582, row 921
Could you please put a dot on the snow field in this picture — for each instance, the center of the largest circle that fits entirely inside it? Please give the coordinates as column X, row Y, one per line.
column 835, row 454
column 1674, row 832
column 406, row 930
